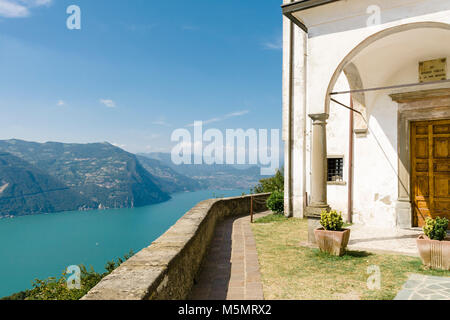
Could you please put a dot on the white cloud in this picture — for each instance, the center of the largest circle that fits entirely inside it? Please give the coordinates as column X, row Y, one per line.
column 140, row 27
column 38, row 2
column 276, row 44
column 118, row 145
column 20, row 8
column 108, row 102
column 237, row 114
column 161, row 122
column 225, row 117
column 61, row 103
column 13, row 10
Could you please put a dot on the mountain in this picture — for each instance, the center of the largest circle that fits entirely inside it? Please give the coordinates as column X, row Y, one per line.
column 214, row 176
column 98, row 175
column 25, row 189
column 52, row 177
column 167, row 179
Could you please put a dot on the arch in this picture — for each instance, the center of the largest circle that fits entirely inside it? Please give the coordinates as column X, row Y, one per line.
column 370, row 40
column 359, row 99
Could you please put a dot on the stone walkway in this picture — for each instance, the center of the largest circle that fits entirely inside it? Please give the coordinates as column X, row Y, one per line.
column 231, row 269
column 420, row 287
column 384, row 240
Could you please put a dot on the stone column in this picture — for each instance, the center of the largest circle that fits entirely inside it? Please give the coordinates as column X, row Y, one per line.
column 403, row 206
column 318, row 173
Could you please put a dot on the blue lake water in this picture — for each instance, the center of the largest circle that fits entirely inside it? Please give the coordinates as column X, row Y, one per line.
column 42, row 246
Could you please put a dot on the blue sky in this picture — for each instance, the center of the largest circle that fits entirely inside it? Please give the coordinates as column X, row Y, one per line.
column 138, row 69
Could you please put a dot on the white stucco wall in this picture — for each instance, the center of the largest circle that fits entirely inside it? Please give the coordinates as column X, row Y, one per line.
column 335, row 30
column 376, row 167
column 294, row 117
column 375, row 155
column 337, row 144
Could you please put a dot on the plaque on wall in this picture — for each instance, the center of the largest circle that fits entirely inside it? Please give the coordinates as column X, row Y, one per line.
column 433, row 70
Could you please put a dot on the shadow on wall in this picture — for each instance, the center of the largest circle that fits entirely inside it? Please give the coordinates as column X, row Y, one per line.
column 213, row 285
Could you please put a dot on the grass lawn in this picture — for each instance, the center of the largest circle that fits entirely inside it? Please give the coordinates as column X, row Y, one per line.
column 290, row 271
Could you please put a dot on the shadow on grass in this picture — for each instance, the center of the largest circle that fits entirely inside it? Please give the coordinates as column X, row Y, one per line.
column 358, row 254
column 349, row 255
column 271, row 218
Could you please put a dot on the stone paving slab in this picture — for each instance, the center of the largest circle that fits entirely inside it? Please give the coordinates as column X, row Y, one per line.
column 420, row 287
column 231, row 268
column 384, row 240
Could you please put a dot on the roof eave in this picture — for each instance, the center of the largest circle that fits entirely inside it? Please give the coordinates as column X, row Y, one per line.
column 289, row 9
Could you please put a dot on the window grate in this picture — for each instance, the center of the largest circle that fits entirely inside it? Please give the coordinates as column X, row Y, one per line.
column 335, row 170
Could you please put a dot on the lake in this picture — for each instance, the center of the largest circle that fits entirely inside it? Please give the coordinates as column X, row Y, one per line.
column 41, row 246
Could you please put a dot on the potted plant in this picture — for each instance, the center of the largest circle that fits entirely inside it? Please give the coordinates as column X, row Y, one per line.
column 434, row 245
column 332, row 238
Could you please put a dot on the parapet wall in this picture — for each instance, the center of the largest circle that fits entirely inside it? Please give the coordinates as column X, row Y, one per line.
column 167, row 268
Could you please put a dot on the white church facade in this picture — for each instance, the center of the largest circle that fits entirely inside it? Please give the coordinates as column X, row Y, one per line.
column 366, row 109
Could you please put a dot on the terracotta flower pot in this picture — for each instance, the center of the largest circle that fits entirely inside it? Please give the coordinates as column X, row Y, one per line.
column 333, row 242
column 434, row 253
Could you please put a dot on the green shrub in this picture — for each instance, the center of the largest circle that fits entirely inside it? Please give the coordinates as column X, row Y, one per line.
column 276, row 202
column 56, row 288
column 275, row 183
column 331, row 220
column 436, row 229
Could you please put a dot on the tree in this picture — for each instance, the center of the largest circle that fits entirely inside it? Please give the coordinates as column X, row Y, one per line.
column 272, row 184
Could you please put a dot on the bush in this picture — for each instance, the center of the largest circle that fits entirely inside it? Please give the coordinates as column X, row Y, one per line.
column 275, row 183
column 331, row 220
column 436, row 229
column 276, row 202
column 56, row 288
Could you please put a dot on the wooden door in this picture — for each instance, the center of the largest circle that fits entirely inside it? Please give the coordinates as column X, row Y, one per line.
column 430, row 166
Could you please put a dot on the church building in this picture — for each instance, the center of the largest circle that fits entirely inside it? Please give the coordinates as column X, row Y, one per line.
column 366, row 110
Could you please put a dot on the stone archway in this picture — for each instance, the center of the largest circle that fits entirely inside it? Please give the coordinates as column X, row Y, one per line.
column 345, row 64
column 359, row 99
column 356, row 76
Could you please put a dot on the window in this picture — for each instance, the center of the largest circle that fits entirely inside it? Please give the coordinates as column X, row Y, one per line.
column 335, row 171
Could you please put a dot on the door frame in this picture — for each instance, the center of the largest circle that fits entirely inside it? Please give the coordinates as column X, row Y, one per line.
column 427, row 105
column 430, row 182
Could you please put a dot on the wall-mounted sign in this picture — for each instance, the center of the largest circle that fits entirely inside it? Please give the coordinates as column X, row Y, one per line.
column 433, row 70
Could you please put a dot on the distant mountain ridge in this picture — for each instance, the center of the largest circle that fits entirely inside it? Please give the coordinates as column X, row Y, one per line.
column 25, row 189
column 52, row 177
column 97, row 175
column 167, row 179
column 216, row 176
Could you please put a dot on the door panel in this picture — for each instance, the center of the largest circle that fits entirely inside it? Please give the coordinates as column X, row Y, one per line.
column 430, row 169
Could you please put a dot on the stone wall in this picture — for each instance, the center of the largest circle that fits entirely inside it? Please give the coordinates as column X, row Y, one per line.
column 167, row 268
